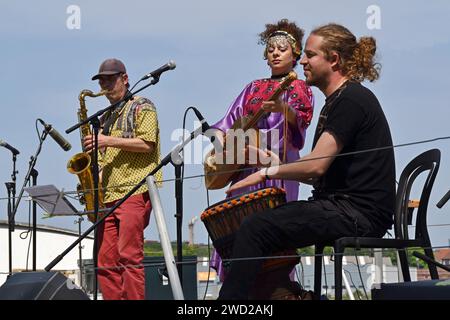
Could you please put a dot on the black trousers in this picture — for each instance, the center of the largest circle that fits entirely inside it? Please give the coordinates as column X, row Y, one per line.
column 293, row 225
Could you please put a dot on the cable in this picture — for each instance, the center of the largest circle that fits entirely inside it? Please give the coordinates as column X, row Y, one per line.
column 209, row 250
column 25, row 234
column 182, row 180
column 333, row 156
column 28, row 232
column 360, row 277
column 184, row 137
column 37, row 129
column 299, row 160
column 209, row 271
column 161, row 264
column 310, row 159
column 353, row 283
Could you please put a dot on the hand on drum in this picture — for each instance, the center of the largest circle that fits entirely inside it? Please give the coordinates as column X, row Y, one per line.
column 260, row 158
column 254, row 178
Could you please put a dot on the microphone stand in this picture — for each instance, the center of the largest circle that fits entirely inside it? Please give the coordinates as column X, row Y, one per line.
column 34, row 174
column 178, row 162
column 11, row 188
column 80, row 250
column 179, row 215
column 172, row 157
column 32, row 163
column 31, row 171
column 95, row 122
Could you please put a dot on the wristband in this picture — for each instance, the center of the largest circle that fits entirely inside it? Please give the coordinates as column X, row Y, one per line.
column 265, row 174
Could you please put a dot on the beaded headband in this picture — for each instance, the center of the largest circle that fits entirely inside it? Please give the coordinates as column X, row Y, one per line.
column 280, row 35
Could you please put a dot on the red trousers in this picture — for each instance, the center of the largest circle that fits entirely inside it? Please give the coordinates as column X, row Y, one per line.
column 121, row 275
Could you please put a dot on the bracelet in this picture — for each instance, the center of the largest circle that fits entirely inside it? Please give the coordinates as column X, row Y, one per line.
column 266, row 175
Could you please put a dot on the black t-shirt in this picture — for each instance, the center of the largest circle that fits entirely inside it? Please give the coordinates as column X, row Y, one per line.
column 354, row 115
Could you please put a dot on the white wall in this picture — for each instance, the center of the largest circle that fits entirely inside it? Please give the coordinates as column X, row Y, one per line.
column 51, row 243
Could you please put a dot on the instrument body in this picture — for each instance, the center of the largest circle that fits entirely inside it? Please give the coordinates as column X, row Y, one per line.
column 81, row 163
column 223, row 219
column 220, row 167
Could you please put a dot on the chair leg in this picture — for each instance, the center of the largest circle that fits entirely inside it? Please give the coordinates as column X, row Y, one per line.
column 338, row 253
column 433, row 270
column 404, row 265
column 318, row 272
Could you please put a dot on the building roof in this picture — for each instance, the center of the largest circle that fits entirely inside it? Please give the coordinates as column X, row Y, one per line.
column 442, row 254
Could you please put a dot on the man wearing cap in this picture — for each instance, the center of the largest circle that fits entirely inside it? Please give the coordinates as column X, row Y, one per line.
column 129, row 147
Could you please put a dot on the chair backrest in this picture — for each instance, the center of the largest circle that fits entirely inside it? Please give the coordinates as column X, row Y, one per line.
column 427, row 161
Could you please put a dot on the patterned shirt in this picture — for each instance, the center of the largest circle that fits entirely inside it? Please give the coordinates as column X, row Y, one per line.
column 122, row 170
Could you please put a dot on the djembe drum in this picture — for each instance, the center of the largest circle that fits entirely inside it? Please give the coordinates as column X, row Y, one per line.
column 222, row 221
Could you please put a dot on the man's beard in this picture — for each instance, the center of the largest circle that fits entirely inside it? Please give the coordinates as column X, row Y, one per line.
column 315, row 81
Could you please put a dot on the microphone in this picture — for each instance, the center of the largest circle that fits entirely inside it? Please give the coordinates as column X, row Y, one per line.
column 156, row 73
column 205, row 125
column 63, row 143
column 9, row 147
column 175, row 153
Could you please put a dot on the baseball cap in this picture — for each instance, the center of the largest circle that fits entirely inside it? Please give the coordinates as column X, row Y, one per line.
column 109, row 67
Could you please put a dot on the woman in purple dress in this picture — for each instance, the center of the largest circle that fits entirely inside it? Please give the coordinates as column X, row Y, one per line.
column 284, row 138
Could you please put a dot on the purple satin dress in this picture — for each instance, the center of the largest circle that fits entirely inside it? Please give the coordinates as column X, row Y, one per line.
column 299, row 97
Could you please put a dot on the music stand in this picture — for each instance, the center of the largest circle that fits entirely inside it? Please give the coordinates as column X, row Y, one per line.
column 52, row 201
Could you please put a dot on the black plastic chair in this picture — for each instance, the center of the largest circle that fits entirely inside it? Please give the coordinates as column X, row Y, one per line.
column 427, row 161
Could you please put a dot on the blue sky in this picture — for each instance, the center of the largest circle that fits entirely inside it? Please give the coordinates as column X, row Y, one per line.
column 44, row 65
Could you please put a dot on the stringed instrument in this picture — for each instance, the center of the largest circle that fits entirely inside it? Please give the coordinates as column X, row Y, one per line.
column 220, row 167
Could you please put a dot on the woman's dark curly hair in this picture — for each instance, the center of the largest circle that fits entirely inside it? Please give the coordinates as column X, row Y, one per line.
column 286, row 26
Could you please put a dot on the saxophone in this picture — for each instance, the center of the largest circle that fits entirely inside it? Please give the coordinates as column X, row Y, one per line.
column 80, row 164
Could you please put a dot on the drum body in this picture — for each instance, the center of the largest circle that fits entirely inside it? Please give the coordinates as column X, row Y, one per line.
column 222, row 221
